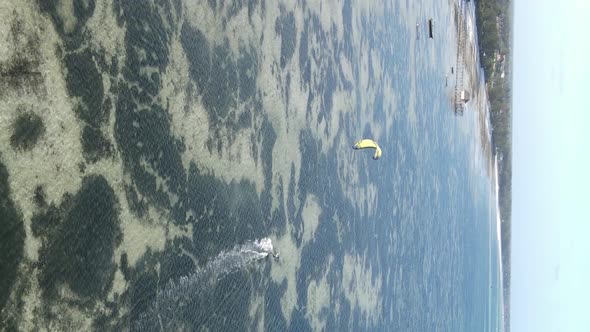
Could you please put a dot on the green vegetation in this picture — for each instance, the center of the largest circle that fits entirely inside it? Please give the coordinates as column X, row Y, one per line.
column 494, row 31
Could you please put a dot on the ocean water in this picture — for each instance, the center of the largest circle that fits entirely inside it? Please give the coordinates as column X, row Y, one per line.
column 153, row 155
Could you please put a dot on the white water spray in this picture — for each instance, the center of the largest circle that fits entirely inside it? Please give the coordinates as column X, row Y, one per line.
column 161, row 315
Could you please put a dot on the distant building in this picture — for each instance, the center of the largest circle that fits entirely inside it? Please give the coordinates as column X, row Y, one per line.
column 464, row 96
column 460, row 100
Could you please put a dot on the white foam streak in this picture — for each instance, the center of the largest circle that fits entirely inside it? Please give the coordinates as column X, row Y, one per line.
column 162, row 313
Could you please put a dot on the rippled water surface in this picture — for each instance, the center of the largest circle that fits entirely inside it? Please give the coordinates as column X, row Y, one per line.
column 153, row 154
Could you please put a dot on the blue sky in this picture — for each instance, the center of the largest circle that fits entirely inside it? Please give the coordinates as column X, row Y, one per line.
column 551, row 164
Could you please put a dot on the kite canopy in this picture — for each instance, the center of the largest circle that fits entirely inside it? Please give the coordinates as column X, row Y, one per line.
column 368, row 144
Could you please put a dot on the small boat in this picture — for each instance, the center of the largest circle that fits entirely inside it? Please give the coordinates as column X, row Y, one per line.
column 430, row 27
column 417, row 30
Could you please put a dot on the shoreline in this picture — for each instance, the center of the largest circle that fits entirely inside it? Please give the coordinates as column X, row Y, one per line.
column 478, row 86
column 473, row 80
column 477, row 120
column 480, row 89
column 499, row 234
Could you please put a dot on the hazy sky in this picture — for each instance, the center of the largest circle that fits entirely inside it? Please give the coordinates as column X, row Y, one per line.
column 551, row 165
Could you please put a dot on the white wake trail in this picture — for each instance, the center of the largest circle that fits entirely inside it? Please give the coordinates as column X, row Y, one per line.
column 163, row 311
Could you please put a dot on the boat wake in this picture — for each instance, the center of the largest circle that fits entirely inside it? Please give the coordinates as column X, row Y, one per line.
column 164, row 311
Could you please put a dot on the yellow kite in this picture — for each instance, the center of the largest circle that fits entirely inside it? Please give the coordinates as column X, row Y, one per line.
column 368, row 144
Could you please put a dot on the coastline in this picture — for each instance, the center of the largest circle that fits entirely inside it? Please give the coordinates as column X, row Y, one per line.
column 481, row 121
column 474, row 82
column 499, row 234
column 477, row 119
column 479, row 88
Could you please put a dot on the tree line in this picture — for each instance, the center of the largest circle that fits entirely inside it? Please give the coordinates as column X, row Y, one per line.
column 494, row 31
